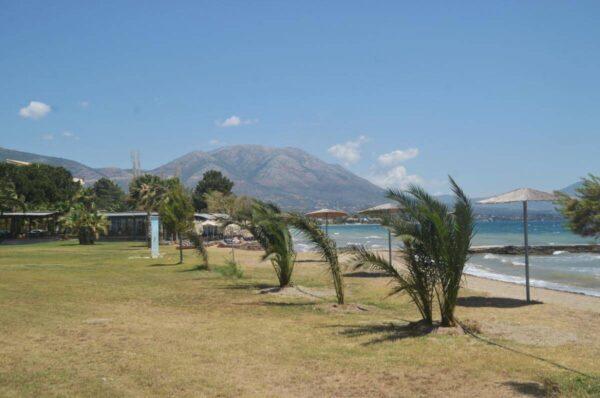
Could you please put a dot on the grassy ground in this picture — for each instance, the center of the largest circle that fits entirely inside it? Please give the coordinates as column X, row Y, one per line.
column 105, row 320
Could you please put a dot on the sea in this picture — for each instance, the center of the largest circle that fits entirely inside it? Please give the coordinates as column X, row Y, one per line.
column 572, row 272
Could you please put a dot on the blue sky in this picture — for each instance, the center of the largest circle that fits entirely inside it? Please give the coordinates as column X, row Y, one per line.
column 498, row 94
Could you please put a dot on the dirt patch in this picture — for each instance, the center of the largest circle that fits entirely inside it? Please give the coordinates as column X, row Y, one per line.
column 298, row 291
column 529, row 334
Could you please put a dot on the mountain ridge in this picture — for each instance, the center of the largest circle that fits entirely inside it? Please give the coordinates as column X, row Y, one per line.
column 288, row 176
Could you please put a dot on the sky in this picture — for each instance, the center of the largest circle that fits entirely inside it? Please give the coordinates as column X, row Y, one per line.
column 498, row 94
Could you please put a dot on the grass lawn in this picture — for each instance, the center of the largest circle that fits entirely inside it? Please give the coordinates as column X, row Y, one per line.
column 105, row 320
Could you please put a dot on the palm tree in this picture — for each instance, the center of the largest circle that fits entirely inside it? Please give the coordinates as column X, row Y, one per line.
column 177, row 212
column 436, row 242
column 86, row 222
column 148, row 192
column 198, row 244
column 272, row 233
column 324, row 245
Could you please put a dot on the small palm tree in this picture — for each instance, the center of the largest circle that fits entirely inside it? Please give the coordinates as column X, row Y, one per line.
column 436, row 243
column 198, row 244
column 86, row 222
column 324, row 245
column 177, row 212
column 272, row 233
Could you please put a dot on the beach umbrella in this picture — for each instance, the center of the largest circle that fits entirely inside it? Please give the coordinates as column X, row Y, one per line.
column 383, row 210
column 523, row 195
column 326, row 214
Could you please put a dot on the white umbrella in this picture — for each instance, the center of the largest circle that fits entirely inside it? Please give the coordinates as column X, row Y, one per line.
column 523, row 195
column 383, row 210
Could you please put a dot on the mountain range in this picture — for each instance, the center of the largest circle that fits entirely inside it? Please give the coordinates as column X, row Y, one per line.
column 287, row 176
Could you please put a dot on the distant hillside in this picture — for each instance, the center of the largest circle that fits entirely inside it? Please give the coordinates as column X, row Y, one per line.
column 76, row 168
column 287, row 176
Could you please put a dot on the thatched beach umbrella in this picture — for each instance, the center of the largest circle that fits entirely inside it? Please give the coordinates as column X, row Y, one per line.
column 383, row 210
column 327, row 214
column 523, row 195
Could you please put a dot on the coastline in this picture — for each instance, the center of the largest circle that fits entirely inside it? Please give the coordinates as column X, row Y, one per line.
column 504, row 289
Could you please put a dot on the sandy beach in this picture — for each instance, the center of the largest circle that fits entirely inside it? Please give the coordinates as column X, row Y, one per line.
column 514, row 291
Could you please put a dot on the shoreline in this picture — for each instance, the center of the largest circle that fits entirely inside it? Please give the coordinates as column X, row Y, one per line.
column 516, row 291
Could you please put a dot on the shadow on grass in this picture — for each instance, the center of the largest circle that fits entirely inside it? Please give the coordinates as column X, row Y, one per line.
column 384, row 332
column 196, row 268
column 164, row 265
column 531, row 389
column 495, row 302
column 276, row 304
column 247, row 286
column 364, row 274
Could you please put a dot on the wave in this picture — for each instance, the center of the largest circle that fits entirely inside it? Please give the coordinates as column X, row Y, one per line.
column 476, row 270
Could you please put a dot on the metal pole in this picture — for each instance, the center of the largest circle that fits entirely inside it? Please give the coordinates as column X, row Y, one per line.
column 326, row 225
column 390, row 246
column 526, row 251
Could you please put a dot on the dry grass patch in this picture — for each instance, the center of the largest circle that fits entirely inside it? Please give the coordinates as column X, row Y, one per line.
column 91, row 321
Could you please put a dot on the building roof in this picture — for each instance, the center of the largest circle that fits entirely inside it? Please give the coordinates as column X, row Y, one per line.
column 126, row 214
column 30, row 213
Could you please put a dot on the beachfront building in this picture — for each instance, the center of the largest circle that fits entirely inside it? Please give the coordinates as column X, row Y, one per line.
column 30, row 224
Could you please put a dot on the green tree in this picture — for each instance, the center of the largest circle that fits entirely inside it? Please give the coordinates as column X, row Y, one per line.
column 212, row 180
column 436, row 244
column 218, row 202
column 583, row 211
column 177, row 213
column 109, row 196
column 41, row 186
column 324, row 245
column 9, row 200
column 86, row 222
column 271, row 232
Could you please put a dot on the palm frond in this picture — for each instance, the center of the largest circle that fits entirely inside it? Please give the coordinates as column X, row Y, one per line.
column 325, row 246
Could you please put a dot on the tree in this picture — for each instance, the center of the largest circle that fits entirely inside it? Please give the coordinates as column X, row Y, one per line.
column 86, row 222
column 271, row 232
column 324, row 245
column 41, row 186
column 147, row 192
column 218, row 202
column 109, row 196
column 9, row 200
column 177, row 212
column 436, row 245
column 212, row 180
column 583, row 211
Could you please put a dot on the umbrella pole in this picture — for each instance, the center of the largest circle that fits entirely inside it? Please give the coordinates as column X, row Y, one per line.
column 390, row 246
column 526, row 252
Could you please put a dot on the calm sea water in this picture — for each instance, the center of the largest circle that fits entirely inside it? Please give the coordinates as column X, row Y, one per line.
column 574, row 272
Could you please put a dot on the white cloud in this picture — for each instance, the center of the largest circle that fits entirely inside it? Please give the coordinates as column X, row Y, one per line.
column 235, row 121
column 348, row 152
column 70, row 135
column 48, row 137
column 396, row 177
column 398, row 156
column 35, row 110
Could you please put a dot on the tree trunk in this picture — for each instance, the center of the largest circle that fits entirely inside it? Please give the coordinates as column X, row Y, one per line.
column 180, row 250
